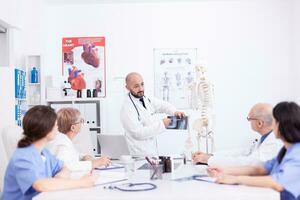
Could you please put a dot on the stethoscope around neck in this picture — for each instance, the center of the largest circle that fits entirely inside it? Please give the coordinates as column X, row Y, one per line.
column 137, row 111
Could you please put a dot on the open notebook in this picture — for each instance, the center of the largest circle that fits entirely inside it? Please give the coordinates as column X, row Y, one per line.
column 108, row 177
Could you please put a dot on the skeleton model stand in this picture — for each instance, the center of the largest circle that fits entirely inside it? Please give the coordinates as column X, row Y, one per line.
column 202, row 95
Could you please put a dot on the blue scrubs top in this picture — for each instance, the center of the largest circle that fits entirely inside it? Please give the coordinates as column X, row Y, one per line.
column 287, row 173
column 26, row 166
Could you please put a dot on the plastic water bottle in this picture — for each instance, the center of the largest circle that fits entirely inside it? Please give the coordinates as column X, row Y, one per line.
column 34, row 75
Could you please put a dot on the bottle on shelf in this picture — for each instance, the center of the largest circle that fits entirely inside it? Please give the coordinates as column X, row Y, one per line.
column 88, row 93
column 66, row 87
column 95, row 93
column 79, row 93
column 34, row 75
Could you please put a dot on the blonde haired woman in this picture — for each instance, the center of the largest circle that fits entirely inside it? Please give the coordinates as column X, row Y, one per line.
column 69, row 123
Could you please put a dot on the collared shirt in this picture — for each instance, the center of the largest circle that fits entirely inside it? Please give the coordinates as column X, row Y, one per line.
column 264, row 137
column 287, row 172
column 63, row 148
column 26, row 166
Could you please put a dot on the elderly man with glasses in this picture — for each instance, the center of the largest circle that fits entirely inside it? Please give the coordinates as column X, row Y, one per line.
column 267, row 147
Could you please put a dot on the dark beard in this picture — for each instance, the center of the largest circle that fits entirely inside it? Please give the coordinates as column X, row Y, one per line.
column 138, row 97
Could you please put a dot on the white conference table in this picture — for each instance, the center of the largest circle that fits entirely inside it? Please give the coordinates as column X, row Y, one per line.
column 167, row 189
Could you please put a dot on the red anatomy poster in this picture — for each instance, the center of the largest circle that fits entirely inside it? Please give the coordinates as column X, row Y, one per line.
column 83, row 64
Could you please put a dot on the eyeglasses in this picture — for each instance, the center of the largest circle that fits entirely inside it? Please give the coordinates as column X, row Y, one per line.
column 250, row 119
column 81, row 121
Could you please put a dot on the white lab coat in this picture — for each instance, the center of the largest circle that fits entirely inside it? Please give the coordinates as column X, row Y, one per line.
column 63, row 148
column 256, row 154
column 141, row 130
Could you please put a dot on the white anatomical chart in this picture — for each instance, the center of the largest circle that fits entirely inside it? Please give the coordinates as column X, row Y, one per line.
column 174, row 75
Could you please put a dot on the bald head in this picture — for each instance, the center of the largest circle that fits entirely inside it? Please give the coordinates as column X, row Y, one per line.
column 135, row 84
column 132, row 77
column 262, row 111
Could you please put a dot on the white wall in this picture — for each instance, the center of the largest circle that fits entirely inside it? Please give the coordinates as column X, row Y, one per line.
column 246, row 43
column 24, row 20
column 4, row 46
column 296, row 46
column 8, row 11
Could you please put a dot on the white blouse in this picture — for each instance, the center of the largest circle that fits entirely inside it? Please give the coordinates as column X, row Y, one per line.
column 63, row 148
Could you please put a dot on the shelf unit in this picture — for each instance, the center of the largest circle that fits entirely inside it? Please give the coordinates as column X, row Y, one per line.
column 34, row 90
column 74, row 99
column 90, row 109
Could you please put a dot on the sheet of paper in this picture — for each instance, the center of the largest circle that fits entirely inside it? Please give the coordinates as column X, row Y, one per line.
column 207, row 179
column 112, row 166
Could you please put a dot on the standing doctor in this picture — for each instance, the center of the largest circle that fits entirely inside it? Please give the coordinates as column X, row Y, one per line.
column 139, row 117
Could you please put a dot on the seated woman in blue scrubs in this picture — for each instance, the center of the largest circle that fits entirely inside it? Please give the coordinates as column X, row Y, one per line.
column 32, row 169
column 281, row 173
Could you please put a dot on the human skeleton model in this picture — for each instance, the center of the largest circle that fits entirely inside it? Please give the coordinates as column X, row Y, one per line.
column 202, row 94
column 166, row 86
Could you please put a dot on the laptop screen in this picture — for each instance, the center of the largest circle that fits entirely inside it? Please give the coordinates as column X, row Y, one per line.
column 113, row 145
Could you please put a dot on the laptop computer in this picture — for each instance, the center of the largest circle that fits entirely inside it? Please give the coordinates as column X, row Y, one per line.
column 113, row 145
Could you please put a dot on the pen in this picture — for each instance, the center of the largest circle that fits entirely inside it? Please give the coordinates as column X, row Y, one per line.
column 153, row 167
column 149, row 161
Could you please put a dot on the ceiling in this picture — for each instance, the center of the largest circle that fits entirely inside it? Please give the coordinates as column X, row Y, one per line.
column 121, row 1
